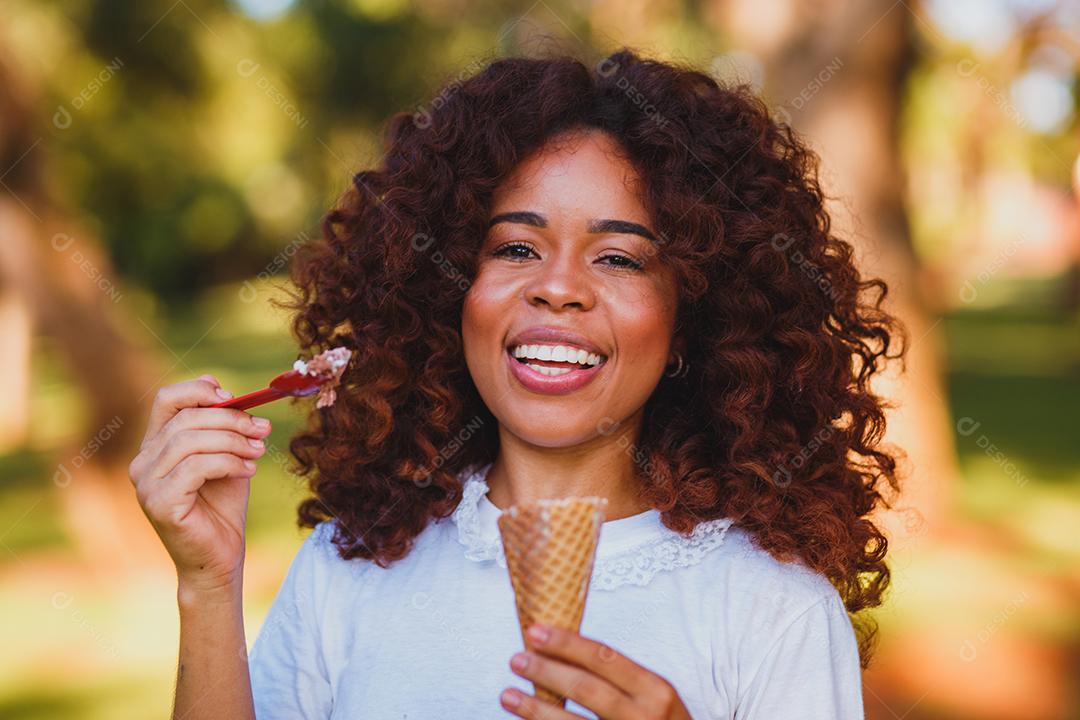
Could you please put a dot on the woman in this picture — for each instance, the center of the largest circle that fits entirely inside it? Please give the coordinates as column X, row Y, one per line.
column 614, row 281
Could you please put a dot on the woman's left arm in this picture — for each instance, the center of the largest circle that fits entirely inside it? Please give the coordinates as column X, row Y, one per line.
column 592, row 675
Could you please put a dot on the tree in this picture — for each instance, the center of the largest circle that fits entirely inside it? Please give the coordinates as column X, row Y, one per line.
column 837, row 70
column 54, row 280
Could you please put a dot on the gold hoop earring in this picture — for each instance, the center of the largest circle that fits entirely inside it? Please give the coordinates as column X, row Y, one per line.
column 681, row 370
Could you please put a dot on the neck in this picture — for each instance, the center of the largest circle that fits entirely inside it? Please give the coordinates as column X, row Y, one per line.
column 603, row 466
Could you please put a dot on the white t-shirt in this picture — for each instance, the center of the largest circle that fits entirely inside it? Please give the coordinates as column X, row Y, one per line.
column 737, row 633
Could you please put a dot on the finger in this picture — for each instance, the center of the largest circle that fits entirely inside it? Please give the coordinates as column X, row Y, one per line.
column 170, row 500
column 583, row 687
column 171, row 399
column 190, row 442
column 202, row 418
column 527, row 706
column 596, row 657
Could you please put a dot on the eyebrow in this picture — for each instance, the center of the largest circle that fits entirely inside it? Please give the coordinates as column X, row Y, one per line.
column 595, row 226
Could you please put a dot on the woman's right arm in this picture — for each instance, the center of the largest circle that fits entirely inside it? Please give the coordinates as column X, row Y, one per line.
column 212, row 678
column 192, row 478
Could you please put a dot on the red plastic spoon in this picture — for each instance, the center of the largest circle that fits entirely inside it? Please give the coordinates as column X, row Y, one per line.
column 291, row 383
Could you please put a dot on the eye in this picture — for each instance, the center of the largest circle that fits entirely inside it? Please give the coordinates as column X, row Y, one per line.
column 518, row 251
column 626, row 262
column 503, row 250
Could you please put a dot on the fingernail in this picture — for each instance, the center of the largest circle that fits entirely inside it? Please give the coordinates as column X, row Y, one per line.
column 261, row 422
column 539, row 633
column 257, row 444
column 519, row 661
column 510, row 698
column 223, row 393
column 249, row 465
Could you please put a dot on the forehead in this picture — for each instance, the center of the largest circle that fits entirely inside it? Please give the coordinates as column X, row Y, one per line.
column 581, row 172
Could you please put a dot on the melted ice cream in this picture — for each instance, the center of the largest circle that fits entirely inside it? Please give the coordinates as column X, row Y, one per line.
column 327, row 366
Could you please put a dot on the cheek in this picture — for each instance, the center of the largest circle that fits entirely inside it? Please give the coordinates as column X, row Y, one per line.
column 644, row 325
column 484, row 307
column 644, row 338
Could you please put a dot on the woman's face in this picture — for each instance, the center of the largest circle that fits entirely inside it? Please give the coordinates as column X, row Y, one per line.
column 565, row 253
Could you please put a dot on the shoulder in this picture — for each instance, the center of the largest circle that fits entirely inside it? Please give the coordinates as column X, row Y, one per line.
column 319, row 543
column 789, row 635
column 319, row 557
column 777, row 623
column 760, row 571
column 761, row 594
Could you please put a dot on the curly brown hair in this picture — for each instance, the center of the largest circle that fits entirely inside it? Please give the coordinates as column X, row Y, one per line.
column 775, row 426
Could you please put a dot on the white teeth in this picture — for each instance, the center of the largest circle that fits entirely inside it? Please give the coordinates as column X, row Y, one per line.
column 545, row 370
column 557, row 353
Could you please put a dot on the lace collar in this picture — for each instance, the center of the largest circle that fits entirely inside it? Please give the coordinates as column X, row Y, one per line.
column 631, row 550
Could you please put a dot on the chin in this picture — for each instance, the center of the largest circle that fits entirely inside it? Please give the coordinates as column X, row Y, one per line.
column 552, row 434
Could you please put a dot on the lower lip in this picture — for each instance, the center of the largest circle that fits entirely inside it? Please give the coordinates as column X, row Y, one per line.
column 552, row 384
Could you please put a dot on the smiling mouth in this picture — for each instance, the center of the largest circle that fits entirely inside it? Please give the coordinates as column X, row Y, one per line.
column 541, row 359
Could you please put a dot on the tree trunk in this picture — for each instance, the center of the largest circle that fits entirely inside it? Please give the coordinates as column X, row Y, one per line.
column 67, row 288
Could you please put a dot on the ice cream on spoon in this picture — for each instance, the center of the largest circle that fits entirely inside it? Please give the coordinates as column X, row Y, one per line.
column 327, row 367
column 321, row 375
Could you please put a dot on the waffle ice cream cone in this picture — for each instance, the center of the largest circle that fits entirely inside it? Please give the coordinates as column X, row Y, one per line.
column 550, row 546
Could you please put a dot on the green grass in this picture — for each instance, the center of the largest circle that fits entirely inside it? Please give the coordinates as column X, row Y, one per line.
column 116, row 697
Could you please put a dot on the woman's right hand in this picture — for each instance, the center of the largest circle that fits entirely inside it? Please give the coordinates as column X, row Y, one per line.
column 192, row 477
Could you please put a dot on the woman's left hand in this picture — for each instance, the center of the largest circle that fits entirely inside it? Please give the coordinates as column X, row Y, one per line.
column 592, row 675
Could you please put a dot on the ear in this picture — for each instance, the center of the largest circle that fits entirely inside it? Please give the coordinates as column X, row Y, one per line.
column 678, row 343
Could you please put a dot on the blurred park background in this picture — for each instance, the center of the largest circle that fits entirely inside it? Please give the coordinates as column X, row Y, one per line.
column 161, row 161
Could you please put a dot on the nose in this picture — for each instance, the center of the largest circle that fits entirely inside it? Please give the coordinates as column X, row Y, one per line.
column 561, row 282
